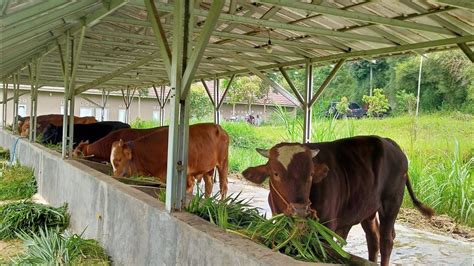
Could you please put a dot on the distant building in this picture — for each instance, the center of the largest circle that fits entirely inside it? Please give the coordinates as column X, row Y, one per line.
column 145, row 107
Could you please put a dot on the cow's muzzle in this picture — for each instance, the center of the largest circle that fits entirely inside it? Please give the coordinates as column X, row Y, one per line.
column 302, row 210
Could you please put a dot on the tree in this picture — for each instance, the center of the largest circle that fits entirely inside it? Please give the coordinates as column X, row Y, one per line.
column 406, row 102
column 378, row 103
column 247, row 89
column 200, row 105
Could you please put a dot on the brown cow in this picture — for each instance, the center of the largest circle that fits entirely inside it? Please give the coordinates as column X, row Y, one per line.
column 345, row 182
column 100, row 149
column 43, row 121
column 208, row 148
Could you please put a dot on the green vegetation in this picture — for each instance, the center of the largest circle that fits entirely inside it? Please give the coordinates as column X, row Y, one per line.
column 50, row 247
column 303, row 239
column 378, row 103
column 27, row 216
column 16, row 182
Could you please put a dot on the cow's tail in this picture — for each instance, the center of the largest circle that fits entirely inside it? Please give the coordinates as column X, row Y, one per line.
column 425, row 210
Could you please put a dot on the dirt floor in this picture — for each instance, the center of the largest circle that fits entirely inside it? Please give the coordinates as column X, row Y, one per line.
column 9, row 249
column 439, row 224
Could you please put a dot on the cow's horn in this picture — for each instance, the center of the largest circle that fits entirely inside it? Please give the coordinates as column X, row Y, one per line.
column 263, row 152
column 314, row 152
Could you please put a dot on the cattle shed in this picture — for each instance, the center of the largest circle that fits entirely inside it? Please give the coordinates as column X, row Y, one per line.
column 113, row 45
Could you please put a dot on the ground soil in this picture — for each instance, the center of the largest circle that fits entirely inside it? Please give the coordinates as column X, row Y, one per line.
column 9, row 249
column 438, row 224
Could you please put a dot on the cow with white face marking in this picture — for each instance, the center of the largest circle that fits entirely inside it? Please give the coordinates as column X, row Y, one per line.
column 343, row 183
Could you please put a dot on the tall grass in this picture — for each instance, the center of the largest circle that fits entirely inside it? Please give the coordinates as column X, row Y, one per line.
column 27, row 216
column 50, row 247
column 16, row 182
column 444, row 182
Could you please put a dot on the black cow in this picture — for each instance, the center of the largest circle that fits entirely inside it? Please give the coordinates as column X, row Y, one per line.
column 89, row 132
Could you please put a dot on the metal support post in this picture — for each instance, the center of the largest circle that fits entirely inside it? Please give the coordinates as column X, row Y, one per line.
column 34, row 71
column 307, row 106
column 178, row 130
column 419, row 87
column 66, row 71
column 105, row 98
column 5, row 103
column 16, row 95
column 217, row 113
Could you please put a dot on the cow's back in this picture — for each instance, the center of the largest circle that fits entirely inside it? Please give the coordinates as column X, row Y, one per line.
column 102, row 147
column 360, row 171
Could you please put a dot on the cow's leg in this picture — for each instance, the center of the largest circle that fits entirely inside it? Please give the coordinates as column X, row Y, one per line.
column 189, row 184
column 387, row 216
column 223, row 171
column 343, row 232
column 208, row 183
column 371, row 229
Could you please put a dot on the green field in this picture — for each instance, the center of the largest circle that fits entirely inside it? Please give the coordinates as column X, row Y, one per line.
column 440, row 149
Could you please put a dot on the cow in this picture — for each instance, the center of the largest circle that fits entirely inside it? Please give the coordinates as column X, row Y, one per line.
column 91, row 132
column 208, row 148
column 100, row 150
column 343, row 183
column 43, row 121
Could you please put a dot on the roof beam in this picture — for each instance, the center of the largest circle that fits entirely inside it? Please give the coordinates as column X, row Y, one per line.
column 200, row 47
column 108, row 7
column 327, row 81
column 31, row 12
column 116, row 73
column 352, row 15
column 467, row 51
column 467, row 4
column 359, row 54
column 292, row 86
column 267, row 80
column 159, row 33
column 436, row 18
column 298, row 28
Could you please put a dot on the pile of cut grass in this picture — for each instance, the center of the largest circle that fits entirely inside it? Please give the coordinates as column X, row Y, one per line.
column 302, row 239
column 51, row 247
column 16, row 182
column 30, row 217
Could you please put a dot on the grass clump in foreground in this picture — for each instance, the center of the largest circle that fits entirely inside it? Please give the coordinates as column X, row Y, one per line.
column 30, row 217
column 302, row 239
column 16, row 182
column 50, row 246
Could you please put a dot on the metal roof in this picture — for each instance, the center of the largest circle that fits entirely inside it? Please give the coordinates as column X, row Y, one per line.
column 120, row 47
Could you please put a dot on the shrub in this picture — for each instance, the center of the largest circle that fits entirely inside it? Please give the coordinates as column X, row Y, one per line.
column 27, row 216
column 343, row 106
column 378, row 103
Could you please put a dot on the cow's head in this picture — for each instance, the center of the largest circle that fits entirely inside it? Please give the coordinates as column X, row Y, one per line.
column 24, row 128
column 292, row 172
column 80, row 150
column 51, row 134
column 120, row 158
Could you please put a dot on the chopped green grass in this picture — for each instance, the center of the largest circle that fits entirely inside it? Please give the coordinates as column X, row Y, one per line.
column 27, row 216
column 16, row 182
column 302, row 239
column 50, row 247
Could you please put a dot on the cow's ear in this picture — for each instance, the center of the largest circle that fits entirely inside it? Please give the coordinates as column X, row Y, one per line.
column 256, row 174
column 314, row 152
column 86, row 142
column 320, row 171
column 263, row 152
column 127, row 152
column 120, row 143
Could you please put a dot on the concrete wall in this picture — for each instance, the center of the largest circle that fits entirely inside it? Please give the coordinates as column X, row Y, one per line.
column 134, row 228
